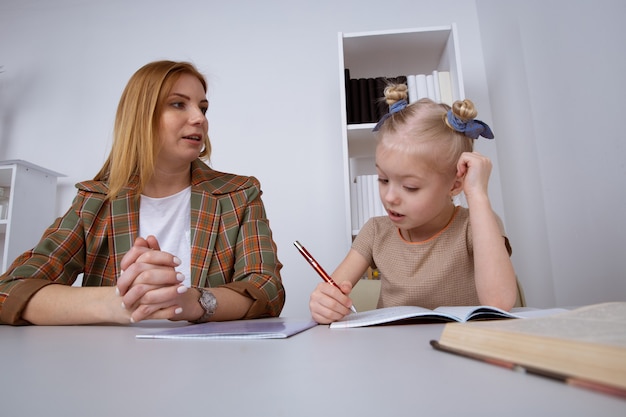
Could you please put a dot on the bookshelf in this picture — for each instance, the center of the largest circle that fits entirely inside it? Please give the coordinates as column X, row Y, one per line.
column 387, row 54
column 31, row 192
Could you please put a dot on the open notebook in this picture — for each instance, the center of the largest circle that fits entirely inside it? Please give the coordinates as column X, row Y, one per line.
column 412, row 314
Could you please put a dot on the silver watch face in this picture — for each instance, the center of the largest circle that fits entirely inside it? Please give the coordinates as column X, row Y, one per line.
column 208, row 302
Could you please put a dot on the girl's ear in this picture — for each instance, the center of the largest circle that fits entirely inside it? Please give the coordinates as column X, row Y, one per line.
column 457, row 186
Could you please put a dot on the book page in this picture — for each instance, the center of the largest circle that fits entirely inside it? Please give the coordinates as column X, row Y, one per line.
column 601, row 323
column 387, row 315
column 464, row 313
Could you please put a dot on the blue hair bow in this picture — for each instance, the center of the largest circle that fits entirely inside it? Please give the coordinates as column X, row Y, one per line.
column 394, row 108
column 472, row 128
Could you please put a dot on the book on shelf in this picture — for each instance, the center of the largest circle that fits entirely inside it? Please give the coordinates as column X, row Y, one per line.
column 347, row 86
column 414, row 314
column 269, row 328
column 354, row 101
column 411, row 82
column 421, row 85
column 436, row 87
column 585, row 347
column 445, row 87
column 364, row 100
column 430, row 86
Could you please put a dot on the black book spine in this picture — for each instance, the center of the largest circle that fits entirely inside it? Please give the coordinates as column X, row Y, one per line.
column 355, row 101
column 349, row 105
column 371, row 88
column 364, row 101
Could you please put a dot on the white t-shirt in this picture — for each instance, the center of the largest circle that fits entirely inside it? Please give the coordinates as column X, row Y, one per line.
column 169, row 220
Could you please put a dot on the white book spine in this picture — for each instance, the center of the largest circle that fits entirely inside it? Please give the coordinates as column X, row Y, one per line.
column 430, row 85
column 422, row 87
column 359, row 193
column 412, row 85
column 445, row 87
column 373, row 195
column 436, row 86
column 354, row 208
column 378, row 204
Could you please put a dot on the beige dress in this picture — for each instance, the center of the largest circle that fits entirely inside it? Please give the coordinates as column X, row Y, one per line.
column 436, row 272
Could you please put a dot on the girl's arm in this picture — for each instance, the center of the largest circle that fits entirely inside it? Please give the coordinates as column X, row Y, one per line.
column 496, row 283
column 327, row 303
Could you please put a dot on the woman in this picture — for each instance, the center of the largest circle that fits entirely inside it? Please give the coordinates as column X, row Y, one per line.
column 157, row 234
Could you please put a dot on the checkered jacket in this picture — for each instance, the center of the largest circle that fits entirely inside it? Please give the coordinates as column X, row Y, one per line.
column 231, row 243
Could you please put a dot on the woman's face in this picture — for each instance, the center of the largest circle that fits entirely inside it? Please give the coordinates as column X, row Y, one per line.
column 183, row 124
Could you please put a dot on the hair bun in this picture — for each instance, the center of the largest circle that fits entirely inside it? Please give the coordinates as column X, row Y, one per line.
column 396, row 92
column 464, row 110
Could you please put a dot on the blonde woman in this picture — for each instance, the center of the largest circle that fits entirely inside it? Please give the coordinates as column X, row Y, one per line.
column 157, row 234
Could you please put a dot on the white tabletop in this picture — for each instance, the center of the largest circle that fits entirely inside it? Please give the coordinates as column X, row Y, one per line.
column 385, row 371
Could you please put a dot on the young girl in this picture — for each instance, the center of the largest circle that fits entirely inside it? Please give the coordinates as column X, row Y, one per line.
column 428, row 251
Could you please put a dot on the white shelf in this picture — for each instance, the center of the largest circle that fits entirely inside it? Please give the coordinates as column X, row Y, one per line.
column 32, row 203
column 388, row 53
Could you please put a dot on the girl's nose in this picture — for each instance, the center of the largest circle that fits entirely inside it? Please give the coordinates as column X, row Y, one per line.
column 388, row 195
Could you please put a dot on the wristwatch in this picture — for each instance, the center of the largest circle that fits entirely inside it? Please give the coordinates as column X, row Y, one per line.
column 208, row 302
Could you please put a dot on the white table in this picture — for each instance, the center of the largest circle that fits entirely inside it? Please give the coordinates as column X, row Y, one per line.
column 379, row 371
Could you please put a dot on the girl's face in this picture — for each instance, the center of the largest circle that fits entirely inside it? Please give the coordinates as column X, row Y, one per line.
column 183, row 124
column 417, row 198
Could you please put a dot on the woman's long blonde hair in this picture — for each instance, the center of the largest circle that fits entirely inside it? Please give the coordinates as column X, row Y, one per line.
column 135, row 136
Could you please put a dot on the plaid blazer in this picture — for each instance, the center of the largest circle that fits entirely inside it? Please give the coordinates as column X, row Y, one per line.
column 231, row 243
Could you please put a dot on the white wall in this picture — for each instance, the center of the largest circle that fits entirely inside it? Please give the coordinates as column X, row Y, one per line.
column 274, row 93
column 556, row 80
column 273, row 73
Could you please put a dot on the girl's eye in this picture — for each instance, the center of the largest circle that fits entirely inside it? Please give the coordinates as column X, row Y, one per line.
column 383, row 180
column 411, row 189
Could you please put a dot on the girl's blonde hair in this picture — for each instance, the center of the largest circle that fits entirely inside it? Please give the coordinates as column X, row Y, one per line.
column 422, row 127
column 136, row 130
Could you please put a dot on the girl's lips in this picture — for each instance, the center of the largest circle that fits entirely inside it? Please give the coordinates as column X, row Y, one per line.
column 394, row 216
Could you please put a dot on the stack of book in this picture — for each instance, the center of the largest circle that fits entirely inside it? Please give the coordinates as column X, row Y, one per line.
column 365, row 98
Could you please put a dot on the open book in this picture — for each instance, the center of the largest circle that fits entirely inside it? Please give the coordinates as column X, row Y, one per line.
column 584, row 347
column 270, row 328
column 406, row 314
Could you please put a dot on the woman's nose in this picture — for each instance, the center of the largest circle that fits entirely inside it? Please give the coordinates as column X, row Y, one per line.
column 197, row 116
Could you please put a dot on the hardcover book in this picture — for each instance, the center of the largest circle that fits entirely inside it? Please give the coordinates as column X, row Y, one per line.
column 584, row 347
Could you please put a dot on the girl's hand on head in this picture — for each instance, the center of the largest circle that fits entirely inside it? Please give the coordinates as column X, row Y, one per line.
column 475, row 169
column 328, row 304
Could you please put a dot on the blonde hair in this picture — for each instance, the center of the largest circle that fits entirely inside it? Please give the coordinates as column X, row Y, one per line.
column 135, row 136
column 421, row 127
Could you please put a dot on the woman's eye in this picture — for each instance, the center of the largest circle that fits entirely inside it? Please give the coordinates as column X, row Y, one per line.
column 204, row 109
column 383, row 180
column 178, row 105
column 411, row 189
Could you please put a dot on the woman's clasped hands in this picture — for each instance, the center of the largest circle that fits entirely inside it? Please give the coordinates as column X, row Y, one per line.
column 149, row 285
